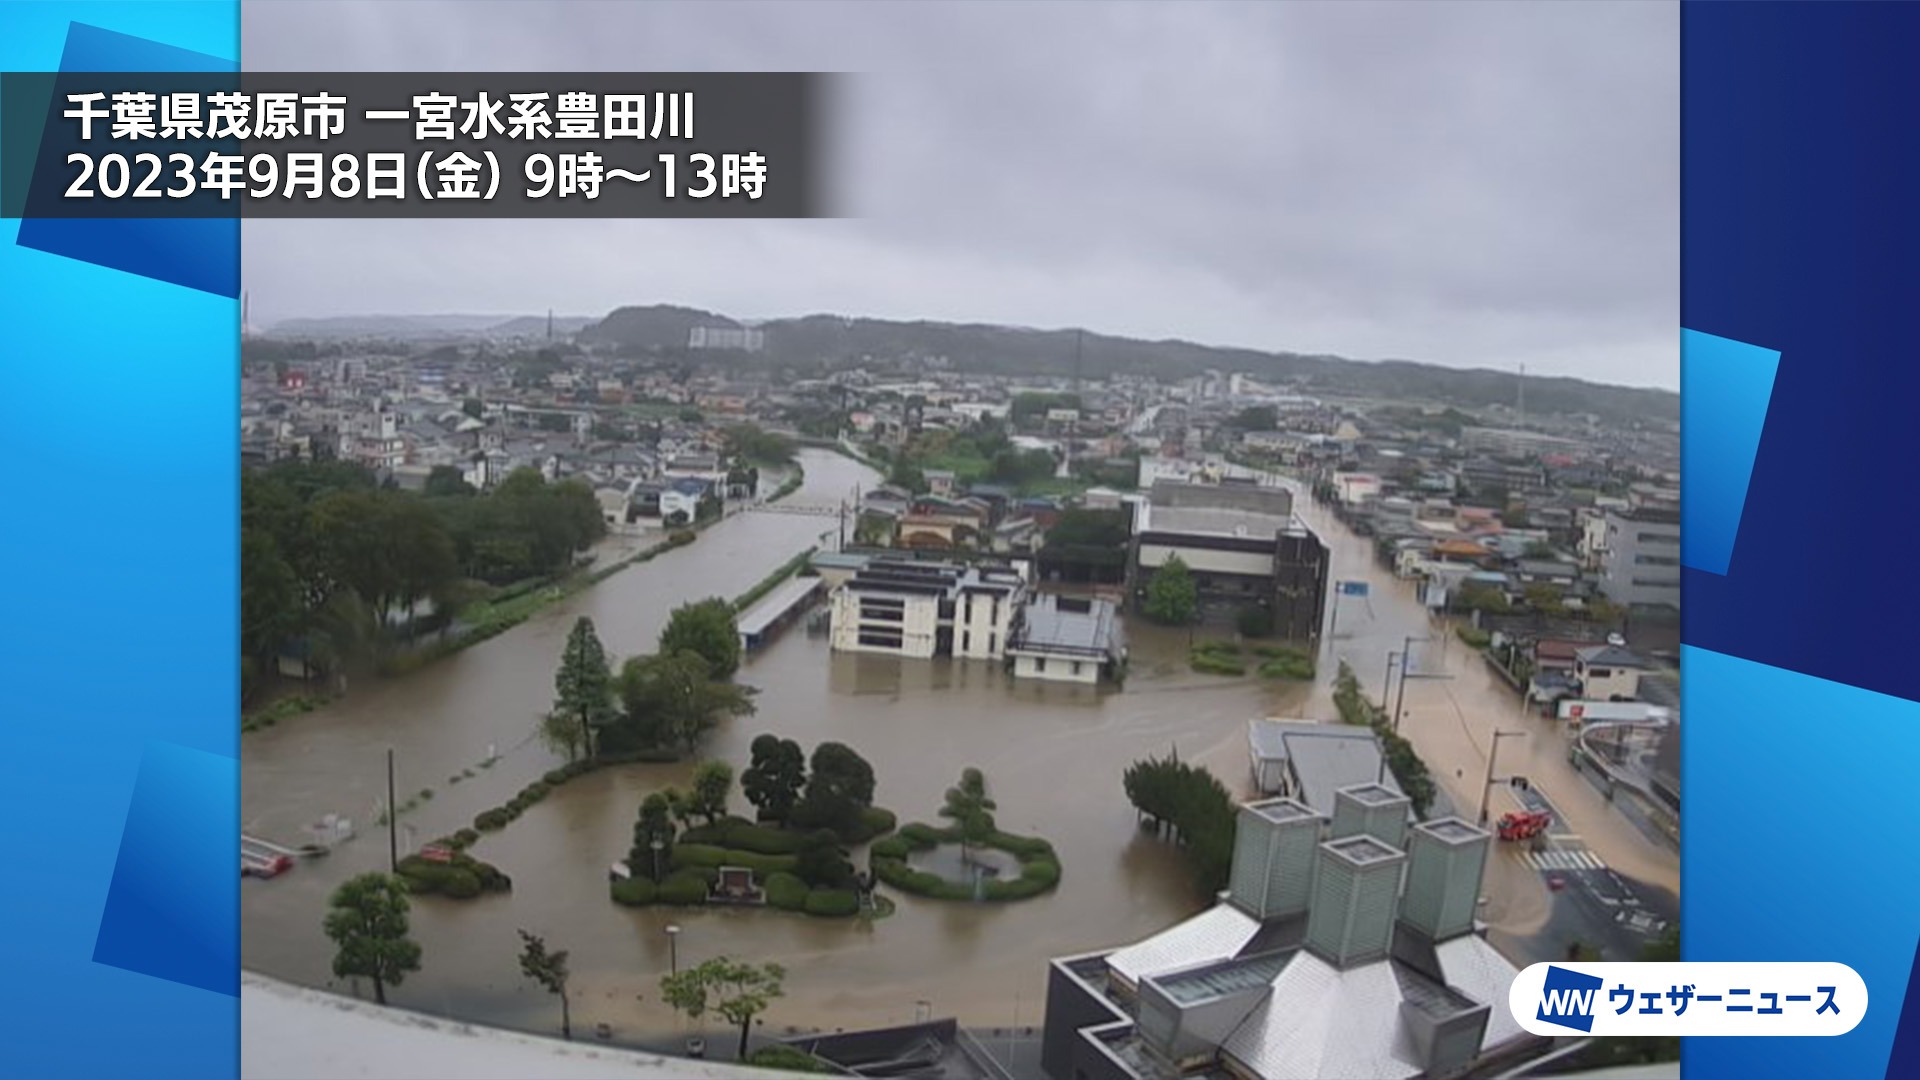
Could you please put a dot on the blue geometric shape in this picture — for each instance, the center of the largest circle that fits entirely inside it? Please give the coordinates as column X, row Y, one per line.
column 181, row 831
column 1905, row 1060
column 1566, row 998
column 198, row 253
column 1724, row 390
column 1798, row 795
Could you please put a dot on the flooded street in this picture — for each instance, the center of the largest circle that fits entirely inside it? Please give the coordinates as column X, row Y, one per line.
column 1052, row 754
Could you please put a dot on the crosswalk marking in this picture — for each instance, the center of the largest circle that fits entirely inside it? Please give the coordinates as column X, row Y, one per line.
column 1562, row 859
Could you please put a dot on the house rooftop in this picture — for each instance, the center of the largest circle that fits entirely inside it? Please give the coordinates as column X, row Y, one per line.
column 1611, row 656
column 1063, row 624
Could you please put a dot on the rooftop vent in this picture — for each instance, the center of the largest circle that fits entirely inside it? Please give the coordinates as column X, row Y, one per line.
column 1356, row 887
column 1273, row 858
column 1371, row 810
column 1445, row 859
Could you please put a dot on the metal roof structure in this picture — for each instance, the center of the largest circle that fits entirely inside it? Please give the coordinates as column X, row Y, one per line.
column 776, row 603
column 1218, row 933
column 1323, row 757
column 1050, row 624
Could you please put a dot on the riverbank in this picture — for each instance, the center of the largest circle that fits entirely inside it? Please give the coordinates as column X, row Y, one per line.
column 489, row 618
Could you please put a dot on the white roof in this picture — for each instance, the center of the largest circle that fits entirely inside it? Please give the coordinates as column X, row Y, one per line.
column 1323, row 1022
column 1217, row 933
column 1476, row 970
column 292, row 1033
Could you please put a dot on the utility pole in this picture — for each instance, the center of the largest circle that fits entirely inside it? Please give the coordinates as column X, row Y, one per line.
column 1406, row 661
column 393, row 820
column 1493, row 751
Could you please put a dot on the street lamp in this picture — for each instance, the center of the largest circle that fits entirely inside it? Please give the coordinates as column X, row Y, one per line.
column 1493, row 751
column 658, row 845
column 673, row 948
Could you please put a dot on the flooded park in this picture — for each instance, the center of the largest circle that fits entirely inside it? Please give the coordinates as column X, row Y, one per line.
column 1052, row 754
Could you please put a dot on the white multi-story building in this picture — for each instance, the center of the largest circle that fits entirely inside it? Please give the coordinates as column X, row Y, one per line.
column 1641, row 561
column 927, row 609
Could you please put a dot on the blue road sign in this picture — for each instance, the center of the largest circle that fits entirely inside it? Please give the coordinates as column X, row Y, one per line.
column 1353, row 588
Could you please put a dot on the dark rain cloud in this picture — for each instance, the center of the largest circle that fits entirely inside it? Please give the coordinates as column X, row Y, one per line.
column 1474, row 184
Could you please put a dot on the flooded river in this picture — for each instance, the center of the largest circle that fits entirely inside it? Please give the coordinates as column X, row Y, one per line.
column 1053, row 757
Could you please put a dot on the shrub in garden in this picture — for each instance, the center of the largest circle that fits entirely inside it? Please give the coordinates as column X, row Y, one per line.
column 837, row 902
column 633, row 892
column 460, row 884
column 683, row 889
column 786, row 892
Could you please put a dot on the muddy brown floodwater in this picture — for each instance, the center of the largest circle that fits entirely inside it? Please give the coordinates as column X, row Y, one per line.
column 1053, row 756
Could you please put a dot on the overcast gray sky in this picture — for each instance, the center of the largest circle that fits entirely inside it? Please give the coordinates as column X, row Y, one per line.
column 1471, row 184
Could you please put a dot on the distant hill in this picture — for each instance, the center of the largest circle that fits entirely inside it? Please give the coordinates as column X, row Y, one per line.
column 387, row 326
column 1020, row 351
column 835, row 340
column 655, row 326
column 536, row 326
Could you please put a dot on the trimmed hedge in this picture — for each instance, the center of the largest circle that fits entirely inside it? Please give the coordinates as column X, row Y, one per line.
column 740, row 834
column 921, row 837
column 786, row 892
column 462, row 879
column 705, row 855
column 832, row 902
column 1039, row 865
column 683, row 889
column 874, row 821
column 633, row 892
column 788, row 1059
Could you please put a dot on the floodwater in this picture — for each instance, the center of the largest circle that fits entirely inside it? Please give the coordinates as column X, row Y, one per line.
column 1053, row 757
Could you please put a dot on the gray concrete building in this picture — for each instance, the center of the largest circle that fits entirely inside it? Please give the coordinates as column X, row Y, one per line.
column 1244, row 547
column 1641, row 561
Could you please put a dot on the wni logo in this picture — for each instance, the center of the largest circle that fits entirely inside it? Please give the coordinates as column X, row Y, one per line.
column 1567, row 998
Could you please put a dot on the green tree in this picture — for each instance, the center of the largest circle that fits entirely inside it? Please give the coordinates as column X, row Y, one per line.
column 583, row 687
column 970, row 810
column 447, row 480
column 737, row 991
column 673, row 700
column 905, row 474
column 1479, row 596
column 367, row 920
column 1545, row 598
column 1172, row 597
column 823, row 864
column 774, row 779
column 562, row 732
column 549, row 969
column 269, row 597
column 708, row 628
column 839, row 787
column 753, row 443
column 474, row 407
column 655, row 823
column 1257, row 418
column 712, row 782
